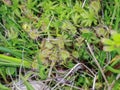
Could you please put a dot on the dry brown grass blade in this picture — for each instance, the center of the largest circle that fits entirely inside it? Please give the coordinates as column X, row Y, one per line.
column 97, row 63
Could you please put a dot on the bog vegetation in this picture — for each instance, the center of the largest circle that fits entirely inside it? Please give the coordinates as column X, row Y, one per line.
column 66, row 44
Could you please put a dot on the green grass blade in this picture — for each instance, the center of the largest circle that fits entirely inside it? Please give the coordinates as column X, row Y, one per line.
column 6, row 50
column 10, row 64
column 2, row 87
column 5, row 58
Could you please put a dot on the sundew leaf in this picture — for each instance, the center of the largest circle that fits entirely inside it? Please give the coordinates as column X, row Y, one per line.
column 60, row 42
column 88, row 17
column 87, row 34
column 100, row 31
column 48, row 45
column 12, row 34
column 65, row 54
column 53, row 57
column 68, row 25
column 95, row 5
column 48, row 5
column 75, row 17
column 75, row 54
column 78, row 7
column 60, row 9
column 33, row 34
column 26, row 27
column 69, row 64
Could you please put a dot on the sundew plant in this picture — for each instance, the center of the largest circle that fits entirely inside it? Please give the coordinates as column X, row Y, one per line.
column 63, row 44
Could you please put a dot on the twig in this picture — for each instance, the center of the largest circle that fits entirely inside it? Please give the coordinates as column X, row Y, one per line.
column 3, row 26
column 51, row 67
column 72, row 84
column 95, row 60
column 88, row 69
column 74, row 87
column 93, row 87
column 83, row 3
column 14, row 84
column 72, row 71
column 66, row 75
column 48, row 28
